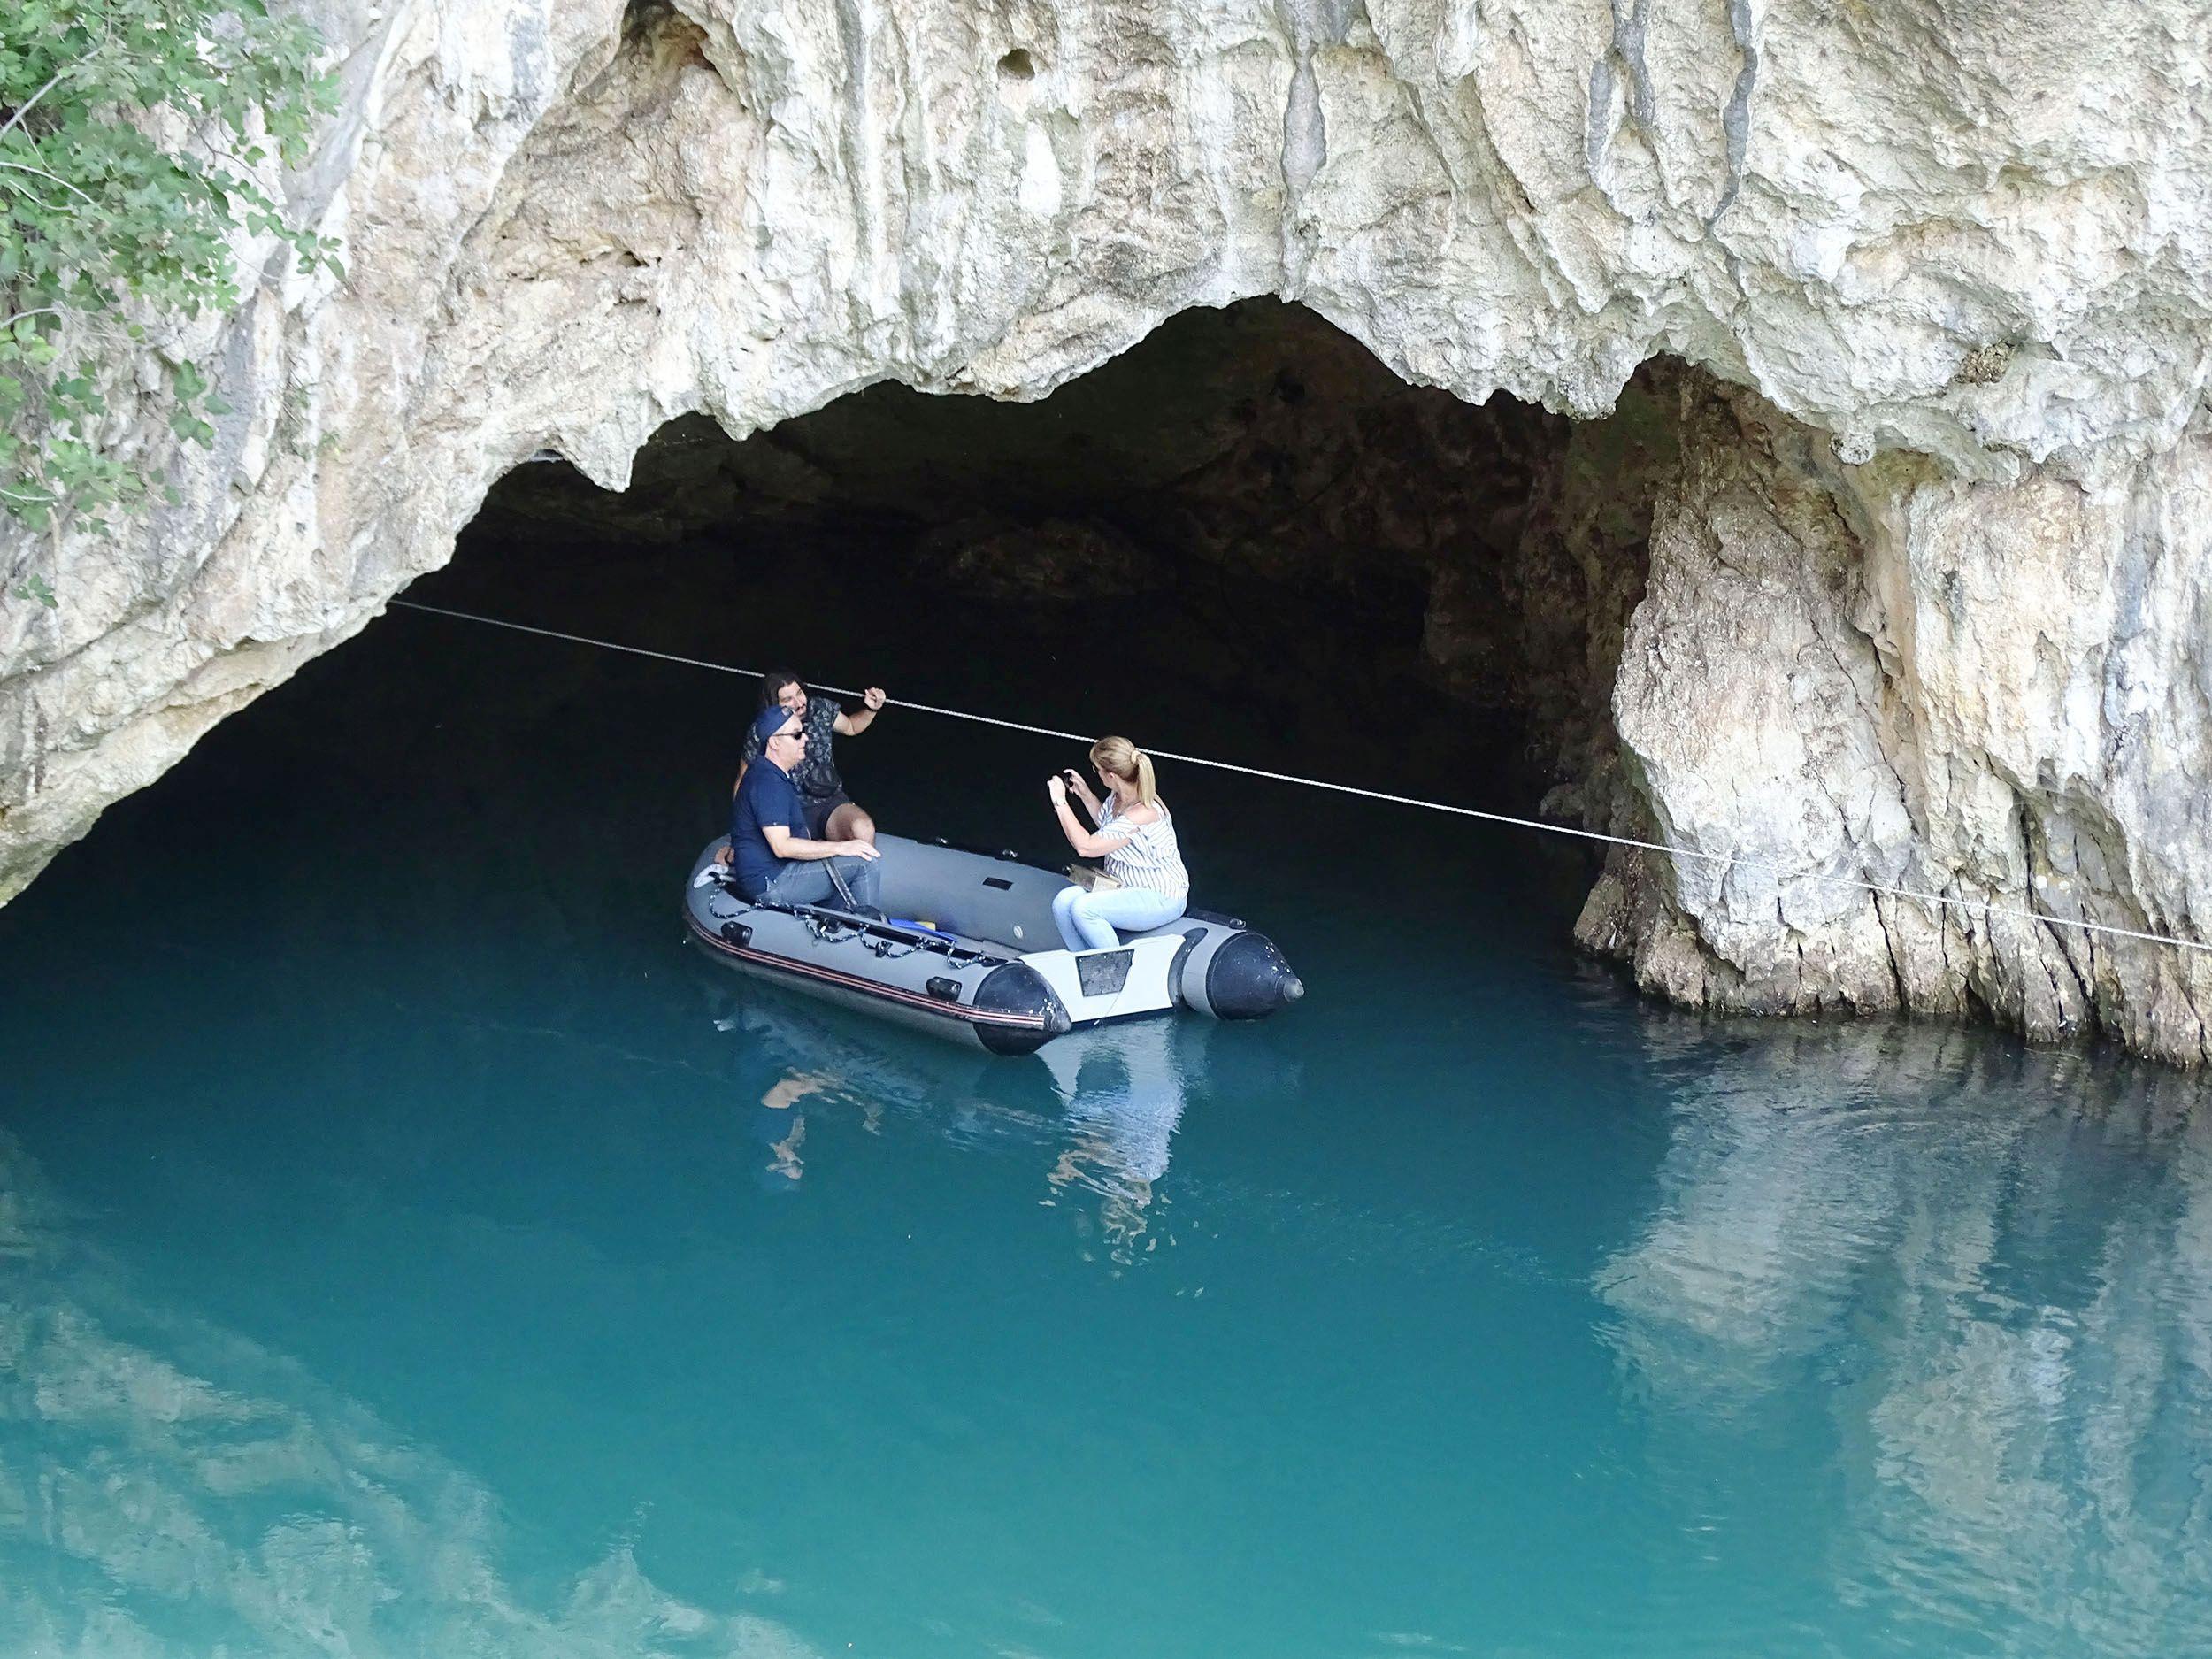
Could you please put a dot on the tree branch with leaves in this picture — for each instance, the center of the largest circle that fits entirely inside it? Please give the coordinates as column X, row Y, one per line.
column 131, row 136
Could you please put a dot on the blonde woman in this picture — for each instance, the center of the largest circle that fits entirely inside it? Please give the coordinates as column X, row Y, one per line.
column 1135, row 840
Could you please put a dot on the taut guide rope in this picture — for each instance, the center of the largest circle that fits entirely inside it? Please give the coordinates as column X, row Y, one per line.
column 1782, row 878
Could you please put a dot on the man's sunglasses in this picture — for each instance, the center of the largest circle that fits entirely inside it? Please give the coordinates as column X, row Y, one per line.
column 797, row 732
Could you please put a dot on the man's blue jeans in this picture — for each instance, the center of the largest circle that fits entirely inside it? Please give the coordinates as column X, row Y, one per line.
column 837, row 884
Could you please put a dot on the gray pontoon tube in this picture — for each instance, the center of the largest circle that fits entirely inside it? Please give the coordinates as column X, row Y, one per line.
column 975, row 957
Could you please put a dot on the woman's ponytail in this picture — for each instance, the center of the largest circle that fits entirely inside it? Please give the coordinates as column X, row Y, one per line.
column 1147, row 790
column 1124, row 760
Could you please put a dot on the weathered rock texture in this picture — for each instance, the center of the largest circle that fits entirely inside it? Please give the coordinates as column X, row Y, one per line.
column 1996, row 692
column 1927, row 591
column 1239, row 466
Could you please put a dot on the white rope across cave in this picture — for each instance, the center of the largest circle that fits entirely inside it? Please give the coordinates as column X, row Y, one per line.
column 1730, row 861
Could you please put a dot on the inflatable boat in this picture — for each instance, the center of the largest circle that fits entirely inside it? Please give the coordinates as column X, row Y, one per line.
column 969, row 952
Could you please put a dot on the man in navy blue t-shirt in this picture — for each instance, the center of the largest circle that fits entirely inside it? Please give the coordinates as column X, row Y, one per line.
column 774, row 861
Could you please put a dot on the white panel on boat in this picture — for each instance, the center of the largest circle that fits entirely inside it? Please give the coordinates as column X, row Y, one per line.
column 1110, row 984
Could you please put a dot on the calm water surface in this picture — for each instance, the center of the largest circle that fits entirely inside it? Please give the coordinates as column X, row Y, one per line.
column 407, row 1248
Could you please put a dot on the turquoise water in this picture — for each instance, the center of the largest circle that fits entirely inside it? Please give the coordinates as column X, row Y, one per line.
column 409, row 1249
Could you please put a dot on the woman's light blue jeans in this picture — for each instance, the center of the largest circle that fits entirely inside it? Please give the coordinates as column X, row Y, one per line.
column 1086, row 920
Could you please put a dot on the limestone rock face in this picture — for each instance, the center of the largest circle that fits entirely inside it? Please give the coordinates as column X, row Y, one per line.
column 1993, row 691
column 1926, row 595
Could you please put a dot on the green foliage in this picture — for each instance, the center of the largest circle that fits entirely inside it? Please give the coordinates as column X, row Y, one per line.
column 129, row 133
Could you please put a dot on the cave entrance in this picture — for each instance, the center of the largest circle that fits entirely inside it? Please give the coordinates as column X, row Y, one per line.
column 1244, row 538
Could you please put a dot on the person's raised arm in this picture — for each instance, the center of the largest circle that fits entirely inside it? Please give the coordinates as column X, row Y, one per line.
column 858, row 720
column 1082, row 792
column 1087, row 844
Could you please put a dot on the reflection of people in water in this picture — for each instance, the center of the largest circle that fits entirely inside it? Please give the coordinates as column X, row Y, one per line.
column 1119, row 1092
column 779, row 1123
column 1123, row 1093
column 819, row 1070
column 806, row 1042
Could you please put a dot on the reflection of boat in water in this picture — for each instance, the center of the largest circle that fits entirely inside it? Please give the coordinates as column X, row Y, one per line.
column 1123, row 1094
column 843, row 1055
column 1127, row 1087
column 1113, row 1094
column 970, row 969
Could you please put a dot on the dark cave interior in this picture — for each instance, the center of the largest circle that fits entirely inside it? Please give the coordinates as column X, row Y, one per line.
column 1355, row 576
